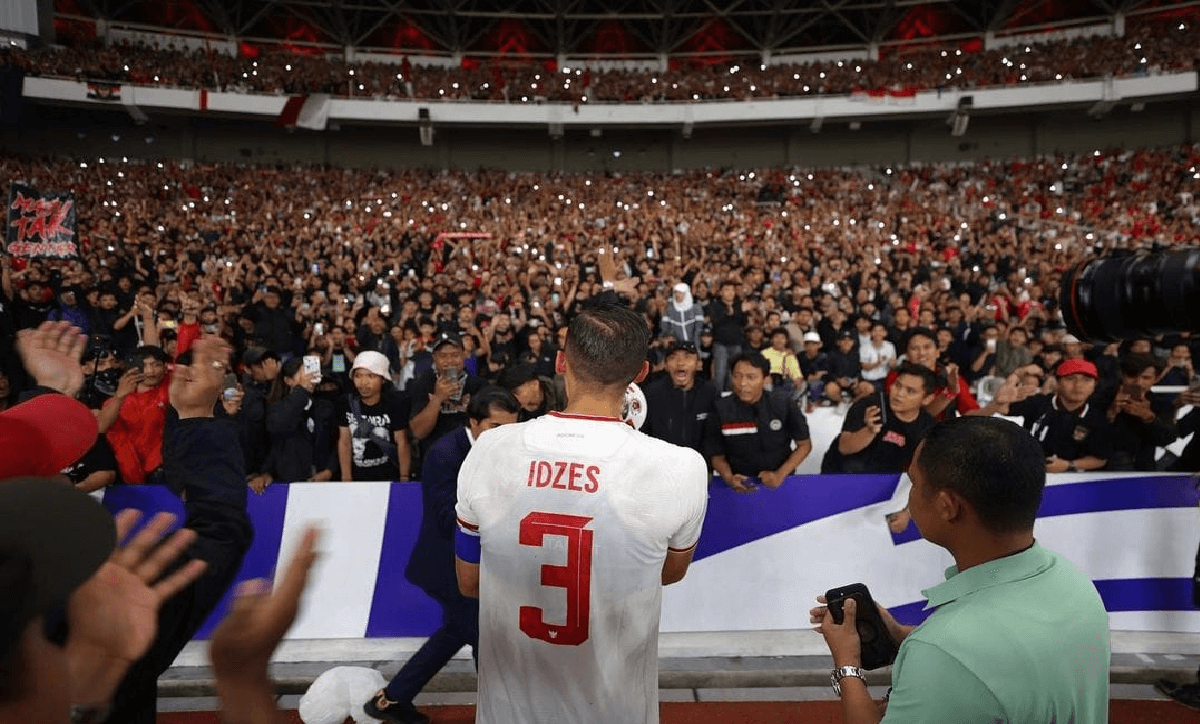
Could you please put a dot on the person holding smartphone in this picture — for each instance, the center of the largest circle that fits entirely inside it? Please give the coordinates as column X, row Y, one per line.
column 1018, row 633
column 881, row 431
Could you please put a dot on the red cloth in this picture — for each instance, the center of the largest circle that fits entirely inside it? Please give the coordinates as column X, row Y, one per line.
column 137, row 436
column 188, row 334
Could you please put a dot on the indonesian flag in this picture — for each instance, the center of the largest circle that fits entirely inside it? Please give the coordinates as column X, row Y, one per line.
column 305, row 111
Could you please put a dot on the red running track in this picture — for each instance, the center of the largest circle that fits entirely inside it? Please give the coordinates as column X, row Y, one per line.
column 765, row 712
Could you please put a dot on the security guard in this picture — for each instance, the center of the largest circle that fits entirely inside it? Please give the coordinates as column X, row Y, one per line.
column 751, row 431
column 678, row 404
column 1074, row 431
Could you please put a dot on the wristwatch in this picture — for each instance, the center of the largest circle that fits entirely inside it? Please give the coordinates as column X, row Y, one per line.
column 1071, row 467
column 835, row 679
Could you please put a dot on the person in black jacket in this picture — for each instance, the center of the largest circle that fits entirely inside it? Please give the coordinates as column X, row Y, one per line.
column 292, row 425
column 431, row 565
column 678, row 404
column 728, row 325
column 262, row 365
column 755, row 436
column 273, row 323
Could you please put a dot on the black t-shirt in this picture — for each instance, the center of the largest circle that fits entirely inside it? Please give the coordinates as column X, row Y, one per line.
column 1067, row 435
column 844, row 365
column 453, row 414
column 890, row 451
column 812, row 365
column 373, row 446
column 678, row 416
column 99, row 459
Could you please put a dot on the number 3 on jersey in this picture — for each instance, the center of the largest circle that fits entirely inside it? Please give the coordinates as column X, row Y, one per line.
column 575, row 577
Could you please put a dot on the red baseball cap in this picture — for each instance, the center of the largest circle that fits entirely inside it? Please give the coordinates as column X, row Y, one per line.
column 1076, row 367
column 43, row 436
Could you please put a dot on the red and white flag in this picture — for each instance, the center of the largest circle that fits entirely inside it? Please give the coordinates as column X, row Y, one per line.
column 305, row 111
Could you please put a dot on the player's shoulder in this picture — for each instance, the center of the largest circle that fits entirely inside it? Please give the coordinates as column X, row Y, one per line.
column 670, row 456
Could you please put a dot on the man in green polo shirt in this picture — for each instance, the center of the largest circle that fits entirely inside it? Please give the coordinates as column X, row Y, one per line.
column 1018, row 634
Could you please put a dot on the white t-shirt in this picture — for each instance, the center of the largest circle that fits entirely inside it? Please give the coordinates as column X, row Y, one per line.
column 868, row 354
column 575, row 515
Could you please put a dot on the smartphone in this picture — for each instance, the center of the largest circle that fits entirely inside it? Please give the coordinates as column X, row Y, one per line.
column 312, row 366
column 991, row 345
column 316, row 268
column 882, row 408
column 133, row 362
column 1169, row 389
column 876, row 646
column 318, row 328
column 229, row 387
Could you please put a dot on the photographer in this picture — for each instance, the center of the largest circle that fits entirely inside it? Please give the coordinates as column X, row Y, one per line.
column 1018, row 633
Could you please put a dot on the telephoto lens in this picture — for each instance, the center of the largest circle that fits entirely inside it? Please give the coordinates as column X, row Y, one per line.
column 1144, row 295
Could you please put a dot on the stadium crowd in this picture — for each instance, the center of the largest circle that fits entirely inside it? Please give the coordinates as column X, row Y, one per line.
column 1150, row 45
column 414, row 289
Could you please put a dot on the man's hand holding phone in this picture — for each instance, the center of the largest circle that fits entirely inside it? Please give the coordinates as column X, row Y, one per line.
column 873, row 417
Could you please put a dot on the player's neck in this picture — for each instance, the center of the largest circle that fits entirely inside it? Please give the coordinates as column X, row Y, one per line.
column 595, row 404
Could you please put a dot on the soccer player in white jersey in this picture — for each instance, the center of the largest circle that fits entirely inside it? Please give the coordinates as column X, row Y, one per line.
column 569, row 526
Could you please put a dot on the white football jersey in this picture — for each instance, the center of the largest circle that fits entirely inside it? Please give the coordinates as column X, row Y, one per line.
column 575, row 516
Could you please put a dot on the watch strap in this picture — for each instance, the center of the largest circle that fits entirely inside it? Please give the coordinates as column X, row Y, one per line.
column 835, row 678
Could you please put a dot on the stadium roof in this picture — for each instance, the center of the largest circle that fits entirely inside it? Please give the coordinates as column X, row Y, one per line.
column 606, row 28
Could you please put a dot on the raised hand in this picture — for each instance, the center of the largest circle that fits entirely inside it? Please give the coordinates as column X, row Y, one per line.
column 195, row 388
column 51, row 355
column 114, row 615
column 242, row 645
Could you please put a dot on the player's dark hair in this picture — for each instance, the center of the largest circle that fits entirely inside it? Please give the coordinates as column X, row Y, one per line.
column 994, row 464
column 929, row 381
column 482, row 402
column 753, row 358
column 607, row 345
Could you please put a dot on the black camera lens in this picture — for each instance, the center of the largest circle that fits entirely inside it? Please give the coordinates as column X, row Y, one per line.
column 1145, row 295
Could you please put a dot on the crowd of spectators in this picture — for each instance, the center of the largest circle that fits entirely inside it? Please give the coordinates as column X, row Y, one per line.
column 414, row 289
column 1149, row 46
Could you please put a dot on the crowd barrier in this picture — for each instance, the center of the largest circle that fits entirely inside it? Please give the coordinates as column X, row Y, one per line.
column 762, row 558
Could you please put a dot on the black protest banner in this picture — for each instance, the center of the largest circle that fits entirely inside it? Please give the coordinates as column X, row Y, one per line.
column 41, row 224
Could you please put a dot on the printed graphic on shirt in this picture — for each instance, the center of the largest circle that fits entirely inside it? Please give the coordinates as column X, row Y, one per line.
column 365, row 449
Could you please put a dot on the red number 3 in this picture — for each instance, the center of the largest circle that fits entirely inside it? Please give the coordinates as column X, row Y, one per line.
column 576, row 577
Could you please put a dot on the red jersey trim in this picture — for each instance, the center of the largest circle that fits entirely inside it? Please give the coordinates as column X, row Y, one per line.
column 575, row 416
column 692, row 547
column 738, row 425
column 468, row 526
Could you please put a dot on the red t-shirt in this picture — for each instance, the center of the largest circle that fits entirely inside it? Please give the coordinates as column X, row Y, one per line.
column 136, row 437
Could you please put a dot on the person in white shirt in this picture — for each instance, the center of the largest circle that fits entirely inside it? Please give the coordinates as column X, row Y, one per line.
column 877, row 357
column 569, row 526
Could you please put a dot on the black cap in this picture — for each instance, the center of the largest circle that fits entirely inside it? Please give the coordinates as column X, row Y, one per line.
column 846, row 334
column 688, row 347
column 255, row 355
column 447, row 338
column 60, row 536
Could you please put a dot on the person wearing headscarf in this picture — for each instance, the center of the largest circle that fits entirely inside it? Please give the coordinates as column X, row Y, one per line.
column 683, row 318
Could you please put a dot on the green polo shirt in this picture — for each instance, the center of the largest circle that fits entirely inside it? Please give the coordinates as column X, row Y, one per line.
column 1022, row 640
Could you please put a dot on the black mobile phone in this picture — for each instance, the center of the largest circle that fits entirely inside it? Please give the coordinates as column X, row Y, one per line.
column 875, row 643
column 135, row 362
column 882, row 407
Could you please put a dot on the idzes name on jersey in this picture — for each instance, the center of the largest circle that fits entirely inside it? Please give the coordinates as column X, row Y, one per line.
column 563, row 475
